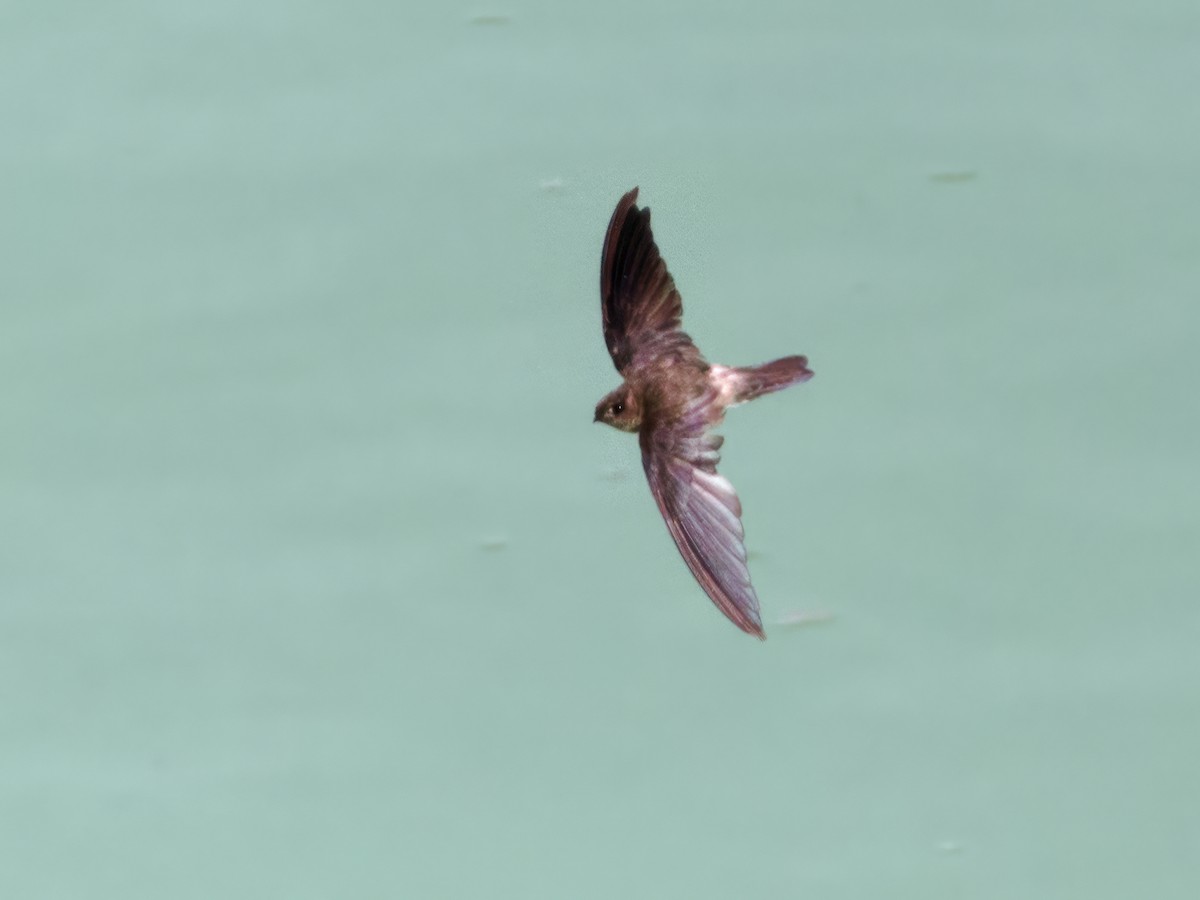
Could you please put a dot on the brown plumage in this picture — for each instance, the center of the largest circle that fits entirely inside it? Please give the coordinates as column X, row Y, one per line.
column 672, row 398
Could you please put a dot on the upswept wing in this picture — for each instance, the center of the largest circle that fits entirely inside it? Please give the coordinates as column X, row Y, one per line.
column 639, row 302
column 701, row 509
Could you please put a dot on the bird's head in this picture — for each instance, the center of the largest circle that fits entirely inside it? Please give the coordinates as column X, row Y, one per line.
column 620, row 409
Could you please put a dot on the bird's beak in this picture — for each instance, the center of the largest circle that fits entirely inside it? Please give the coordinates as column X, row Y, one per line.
column 596, row 417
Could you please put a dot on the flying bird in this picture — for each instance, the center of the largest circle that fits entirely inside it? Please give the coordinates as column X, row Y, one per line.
column 672, row 398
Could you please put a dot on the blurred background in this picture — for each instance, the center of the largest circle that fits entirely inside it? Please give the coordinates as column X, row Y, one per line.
column 317, row 580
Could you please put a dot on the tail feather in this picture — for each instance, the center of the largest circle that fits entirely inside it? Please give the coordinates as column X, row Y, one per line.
column 754, row 381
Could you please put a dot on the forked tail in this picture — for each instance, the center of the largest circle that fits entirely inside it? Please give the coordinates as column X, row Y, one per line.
column 754, row 381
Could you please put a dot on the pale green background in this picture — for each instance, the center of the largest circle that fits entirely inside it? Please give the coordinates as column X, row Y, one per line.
column 317, row 581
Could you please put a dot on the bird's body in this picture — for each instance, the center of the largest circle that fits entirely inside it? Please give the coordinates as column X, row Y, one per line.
column 672, row 398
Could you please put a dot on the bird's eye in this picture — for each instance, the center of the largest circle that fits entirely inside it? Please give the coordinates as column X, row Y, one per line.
column 618, row 408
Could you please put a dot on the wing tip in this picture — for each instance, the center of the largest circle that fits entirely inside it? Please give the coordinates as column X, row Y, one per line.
column 752, row 626
column 627, row 202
